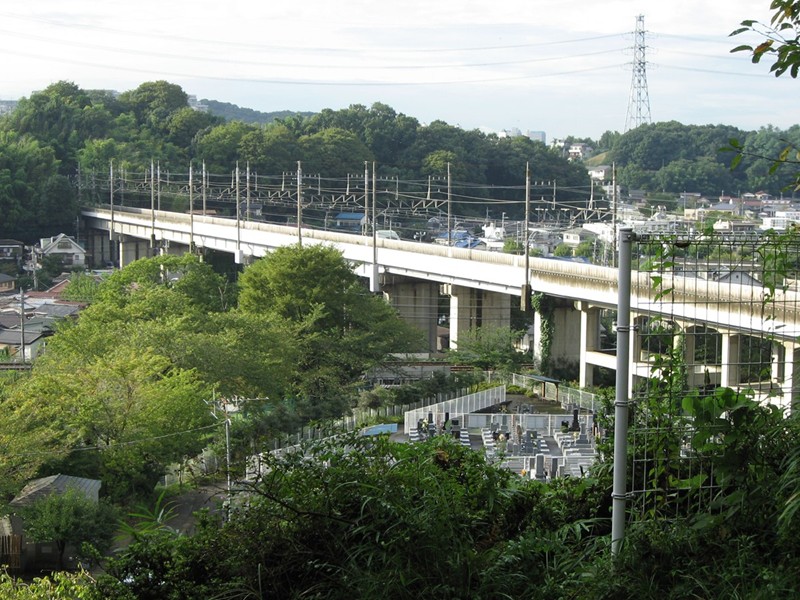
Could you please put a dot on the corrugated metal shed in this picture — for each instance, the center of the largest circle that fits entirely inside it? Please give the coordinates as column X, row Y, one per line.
column 37, row 489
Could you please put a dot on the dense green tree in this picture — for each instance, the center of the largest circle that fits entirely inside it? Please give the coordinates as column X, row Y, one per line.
column 154, row 102
column 185, row 123
column 643, row 153
column 123, row 416
column 34, row 197
column 608, row 140
column 341, row 329
column 332, row 152
column 271, row 150
column 489, row 348
column 387, row 134
column 219, row 146
column 60, row 117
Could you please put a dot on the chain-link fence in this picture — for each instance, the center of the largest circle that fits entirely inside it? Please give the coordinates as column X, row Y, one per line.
column 714, row 324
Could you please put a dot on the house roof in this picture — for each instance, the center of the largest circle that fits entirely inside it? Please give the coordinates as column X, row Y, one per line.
column 12, row 337
column 48, row 244
column 55, row 484
column 6, row 278
column 57, row 310
column 9, row 320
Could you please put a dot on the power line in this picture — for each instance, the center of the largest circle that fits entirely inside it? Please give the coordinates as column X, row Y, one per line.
column 109, row 445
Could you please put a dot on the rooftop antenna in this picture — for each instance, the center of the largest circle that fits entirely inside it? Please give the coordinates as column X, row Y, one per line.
column 639, row 101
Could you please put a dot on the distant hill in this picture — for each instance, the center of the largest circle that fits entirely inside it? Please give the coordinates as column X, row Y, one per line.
column 231, row 112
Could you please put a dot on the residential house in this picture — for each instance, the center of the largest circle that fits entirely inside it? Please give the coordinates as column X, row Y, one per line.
column 71, row 253
column 350, row 221
column 725, row 275
column 575, row 236
column 579, row 151
column 7, row 283
column 18, row 348
column 22, row 553
column 727, row 227
column 12, row 250
column 600, row 172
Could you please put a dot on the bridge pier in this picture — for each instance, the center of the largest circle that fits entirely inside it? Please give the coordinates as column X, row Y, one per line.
column 589, row 341
column 791, row 377
column 471, row 308
column 99, row 248
column 566, row 345
column 132, row 249
column 417, row 302
column 731, row 352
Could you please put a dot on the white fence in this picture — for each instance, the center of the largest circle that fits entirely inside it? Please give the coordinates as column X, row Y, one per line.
column 569, row 398
column 455, row 408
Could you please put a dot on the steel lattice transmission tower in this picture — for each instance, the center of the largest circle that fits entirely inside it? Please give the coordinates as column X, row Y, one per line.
column 639, row 102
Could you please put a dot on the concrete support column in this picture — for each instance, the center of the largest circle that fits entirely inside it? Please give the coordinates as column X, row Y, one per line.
column 590, row 341
column 778, row 365
column 791, row 377
column 731, row 352
column 565, row 346
column 694, row 375
column 471, row 308
column 132, row 249
column 417, row 303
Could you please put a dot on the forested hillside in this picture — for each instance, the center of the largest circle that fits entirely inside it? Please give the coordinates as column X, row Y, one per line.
column 232, row 112
column 64, row 130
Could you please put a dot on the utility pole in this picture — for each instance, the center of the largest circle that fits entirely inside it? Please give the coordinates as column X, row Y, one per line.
column 158, row 185
column 247, row 192
column 111, row 202
column 191, row 211
column 449, row 211
column 152, row 207
column 615, row 200
column 366, row 199
column 299, row 203
column 525, row 300
column 205, row 184
column 22, row 323
column 375, row 284
column 238, row 216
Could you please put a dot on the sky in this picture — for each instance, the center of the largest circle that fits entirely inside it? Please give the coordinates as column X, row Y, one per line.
column 564, row 67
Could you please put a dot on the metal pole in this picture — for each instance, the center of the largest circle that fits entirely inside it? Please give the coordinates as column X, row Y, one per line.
column 375, row 284
column 205, row 184
column 111, row 201
column 525, row 303
column 247, row 192
column 158, row 185
column 366, row 199
column 152, row 206
column 228, row 450
column 238, row 216
column 449, row 197
column 191, row 212
column 299, row 203
column 619, row 491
